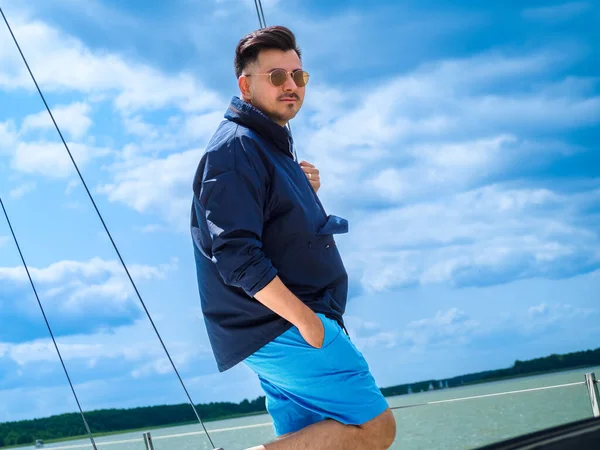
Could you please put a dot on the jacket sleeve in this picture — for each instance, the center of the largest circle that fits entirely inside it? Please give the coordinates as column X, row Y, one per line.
column 233, row 202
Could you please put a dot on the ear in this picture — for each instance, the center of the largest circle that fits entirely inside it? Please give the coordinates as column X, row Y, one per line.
column 244, row 85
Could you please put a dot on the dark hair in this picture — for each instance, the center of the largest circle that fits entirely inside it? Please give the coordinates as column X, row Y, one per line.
column 249, row 47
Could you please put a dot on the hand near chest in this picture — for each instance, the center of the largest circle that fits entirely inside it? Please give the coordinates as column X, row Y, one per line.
column 312, row 173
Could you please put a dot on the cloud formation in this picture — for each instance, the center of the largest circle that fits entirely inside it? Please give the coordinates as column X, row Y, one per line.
column 556, row 13
column 78, row 297
column 61, row 62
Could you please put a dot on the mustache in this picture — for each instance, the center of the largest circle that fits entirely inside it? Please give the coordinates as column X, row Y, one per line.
column 294, row 96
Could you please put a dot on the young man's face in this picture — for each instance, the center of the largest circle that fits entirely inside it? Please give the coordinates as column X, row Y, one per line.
column 280, row 103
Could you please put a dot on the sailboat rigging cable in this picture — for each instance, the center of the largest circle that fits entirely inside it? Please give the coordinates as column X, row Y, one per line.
column 261, row 14
column 263, row 24
column 87, row 428
column 109, row 236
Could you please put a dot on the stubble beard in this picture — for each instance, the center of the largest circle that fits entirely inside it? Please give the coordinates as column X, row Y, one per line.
column 276, row 114
column 290, row 113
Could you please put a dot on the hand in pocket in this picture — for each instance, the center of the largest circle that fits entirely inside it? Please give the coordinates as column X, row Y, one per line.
column 313, row 331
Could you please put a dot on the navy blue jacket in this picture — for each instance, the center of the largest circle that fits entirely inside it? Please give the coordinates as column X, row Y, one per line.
column 254, row 216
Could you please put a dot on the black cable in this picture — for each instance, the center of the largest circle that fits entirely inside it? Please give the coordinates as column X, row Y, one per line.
column 263, row 24
column 87, row 428
column 106, row 228
column 259, row 10
column 262, row 13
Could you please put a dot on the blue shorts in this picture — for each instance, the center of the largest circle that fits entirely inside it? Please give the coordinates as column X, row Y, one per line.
column 305, row 385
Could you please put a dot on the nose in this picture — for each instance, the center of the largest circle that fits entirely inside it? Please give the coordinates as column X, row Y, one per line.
column 290, row 84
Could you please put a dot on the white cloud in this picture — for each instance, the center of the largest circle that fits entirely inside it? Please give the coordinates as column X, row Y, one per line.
column 545, row 315
column 556, row 13
column 143, row 179
column 559, row 113
column 75, row 288
column 138, row 127
column 61, row 62
column 71, row 185
column 73, row 118
column 460, row 156
column 160, row 186
column 22, row 189
column 437, row 133
column 58, row 271
column 441, row 166
column 131, row 345
column 452, row 327
column 129, row 352
column 50, row 159
column 367, row 334
column 182, row 354
column 202, row 126
column 151, row 228
column 92, row 11
column 483, row 236
column 173, row 134
column 8, row 136
column 442, row 127
column 431, row 98
column 44, row 351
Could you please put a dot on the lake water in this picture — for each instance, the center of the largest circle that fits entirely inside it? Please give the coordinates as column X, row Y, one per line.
column 456, row 425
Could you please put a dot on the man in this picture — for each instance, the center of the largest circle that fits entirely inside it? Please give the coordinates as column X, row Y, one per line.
column 272, row 283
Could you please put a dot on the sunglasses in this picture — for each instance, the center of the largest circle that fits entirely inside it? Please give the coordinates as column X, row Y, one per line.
column 278, row 77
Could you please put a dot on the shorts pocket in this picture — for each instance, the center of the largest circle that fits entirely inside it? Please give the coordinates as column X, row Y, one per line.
column 332, row 331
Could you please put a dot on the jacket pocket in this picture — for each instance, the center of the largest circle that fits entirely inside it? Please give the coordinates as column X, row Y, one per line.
column 310, row 261
column 334, row 225
column 323, row 242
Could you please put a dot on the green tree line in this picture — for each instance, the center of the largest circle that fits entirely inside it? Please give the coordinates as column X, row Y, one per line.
column 111, row 420
column 546, row 364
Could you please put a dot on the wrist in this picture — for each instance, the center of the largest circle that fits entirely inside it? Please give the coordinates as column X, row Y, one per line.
column 305, row 316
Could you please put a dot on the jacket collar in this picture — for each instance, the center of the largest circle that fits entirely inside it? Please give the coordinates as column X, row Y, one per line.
column 247, row 115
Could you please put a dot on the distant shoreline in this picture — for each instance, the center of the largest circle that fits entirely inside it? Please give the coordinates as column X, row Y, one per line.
column 68, row 427
column 512, row 377
column 134, row 430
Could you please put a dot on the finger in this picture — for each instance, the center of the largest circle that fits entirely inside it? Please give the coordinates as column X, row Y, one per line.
column 314, row 171
column 306, row 164
column 313, row 178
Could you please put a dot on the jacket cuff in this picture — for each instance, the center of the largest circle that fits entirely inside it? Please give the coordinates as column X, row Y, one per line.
column 263, row 281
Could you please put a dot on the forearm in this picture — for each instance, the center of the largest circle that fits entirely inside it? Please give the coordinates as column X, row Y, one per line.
column 279, row 299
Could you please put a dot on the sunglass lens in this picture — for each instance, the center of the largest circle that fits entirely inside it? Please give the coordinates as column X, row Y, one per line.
column 301, row 78
column 278, row 77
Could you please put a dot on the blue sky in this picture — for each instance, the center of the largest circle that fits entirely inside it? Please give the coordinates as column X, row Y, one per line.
column 460, row 140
